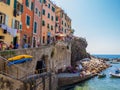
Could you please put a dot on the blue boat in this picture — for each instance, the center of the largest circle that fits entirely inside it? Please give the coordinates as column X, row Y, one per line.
column 19, row 61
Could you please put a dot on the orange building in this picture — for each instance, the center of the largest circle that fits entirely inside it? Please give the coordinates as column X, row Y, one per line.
column 27, row 22
column 48, row 22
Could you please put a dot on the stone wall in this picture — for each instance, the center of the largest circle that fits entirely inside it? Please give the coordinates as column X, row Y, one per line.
column 7, row 83
column 57, row 57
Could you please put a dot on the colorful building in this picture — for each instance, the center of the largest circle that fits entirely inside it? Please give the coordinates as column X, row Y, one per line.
column 37, row 23
column 10, row 21
column 63, row 23
column 27, row 22
column 48, row 22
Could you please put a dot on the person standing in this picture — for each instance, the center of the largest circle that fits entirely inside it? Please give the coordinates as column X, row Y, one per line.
column 11, row 46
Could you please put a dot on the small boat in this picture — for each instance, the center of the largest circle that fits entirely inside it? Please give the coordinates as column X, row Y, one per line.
column 101, row 75
column 115, row 75
column 19, row 57
column 19, row 61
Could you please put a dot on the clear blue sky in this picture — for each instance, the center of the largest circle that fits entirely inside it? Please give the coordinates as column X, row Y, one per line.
column 96, row 20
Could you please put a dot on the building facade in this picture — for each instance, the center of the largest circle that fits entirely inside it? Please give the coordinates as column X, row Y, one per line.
column 37, row 23
column 10, row 21
column 63, row 23
column 48, row 22
column 27, row 22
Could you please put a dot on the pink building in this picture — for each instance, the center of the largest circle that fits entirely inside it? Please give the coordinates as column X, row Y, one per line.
column 48, row 22
column 37, row 23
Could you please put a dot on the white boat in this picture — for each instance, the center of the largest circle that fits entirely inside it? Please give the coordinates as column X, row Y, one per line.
column 115, row 75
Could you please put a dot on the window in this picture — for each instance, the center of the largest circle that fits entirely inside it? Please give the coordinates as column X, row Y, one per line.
column 52, row 18
column 43, row 12
column 65, row 24
column 39, row 13
column 28, row 20
column 36, row 10
column 44, row 1
column 2, row 18
column 53, row 9
column 62, row 22
column 35, row 27
column 51, row 27
column 61, row 15
column 49, row 5
column 65, row 30
column 48, row 26
column 8, row 2
column 43, row 23
column 17, row 24
column 32, row 5
column 19, row 8
column 48, row 15
column 27, row 3
column 56, row 18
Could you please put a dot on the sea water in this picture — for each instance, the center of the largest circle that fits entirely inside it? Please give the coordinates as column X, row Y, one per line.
column 107, row 83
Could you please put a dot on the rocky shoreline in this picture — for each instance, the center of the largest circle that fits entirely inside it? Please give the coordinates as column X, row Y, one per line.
column 89, row 69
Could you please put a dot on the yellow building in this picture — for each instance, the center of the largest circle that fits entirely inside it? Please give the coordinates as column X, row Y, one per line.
column 10, row 21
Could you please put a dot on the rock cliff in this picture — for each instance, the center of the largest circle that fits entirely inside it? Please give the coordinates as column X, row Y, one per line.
column 78, row 48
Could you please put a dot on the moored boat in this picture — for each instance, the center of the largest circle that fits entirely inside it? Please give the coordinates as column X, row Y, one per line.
column 115, row 75
column 101, row 75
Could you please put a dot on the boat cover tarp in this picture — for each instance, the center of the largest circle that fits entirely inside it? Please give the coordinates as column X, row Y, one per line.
column 19, row 61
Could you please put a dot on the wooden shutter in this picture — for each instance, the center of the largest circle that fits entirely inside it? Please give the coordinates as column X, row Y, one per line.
column 15, row 4
column 20, row 26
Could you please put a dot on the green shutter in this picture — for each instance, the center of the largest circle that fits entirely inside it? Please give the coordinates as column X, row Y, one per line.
column 35, row 27
column 28, row 21
column 8, row 2
column 20, row 27
column 15, row 4
column 32, row 6
column 27, row 3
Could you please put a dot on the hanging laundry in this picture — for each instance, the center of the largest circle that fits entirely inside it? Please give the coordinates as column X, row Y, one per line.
column 9, row 30
column 14, row 32
column 4, row 27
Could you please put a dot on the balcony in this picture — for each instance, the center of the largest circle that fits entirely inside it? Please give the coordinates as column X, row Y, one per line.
column 18, row 9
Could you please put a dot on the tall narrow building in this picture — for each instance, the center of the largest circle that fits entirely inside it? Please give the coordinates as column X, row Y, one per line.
column 27, row 22
column 37, row 23
column 48, row 22
column 10, row 21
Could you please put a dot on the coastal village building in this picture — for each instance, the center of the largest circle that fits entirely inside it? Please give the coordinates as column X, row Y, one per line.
column 10, row 21
column 48, row 22
column 27, row 22
column 37, row 24
column 32, row 22
column 63, row 23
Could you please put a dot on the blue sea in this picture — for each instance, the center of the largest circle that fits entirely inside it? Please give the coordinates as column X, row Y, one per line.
column 107, row 56
column 107, row 83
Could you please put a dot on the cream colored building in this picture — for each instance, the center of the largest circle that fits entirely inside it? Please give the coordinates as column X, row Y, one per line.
column 10, row 21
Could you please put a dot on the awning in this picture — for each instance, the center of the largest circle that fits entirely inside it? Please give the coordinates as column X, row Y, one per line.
column 61, row 35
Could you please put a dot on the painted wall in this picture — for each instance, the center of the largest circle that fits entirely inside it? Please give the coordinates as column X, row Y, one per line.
column 8, row 10
column 47, row 20
column 27, row 30
column 37, row 19
column 63, row 19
